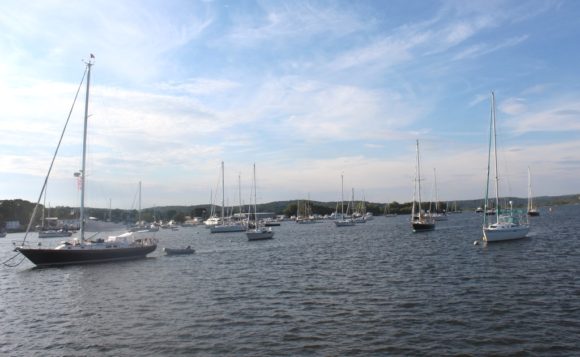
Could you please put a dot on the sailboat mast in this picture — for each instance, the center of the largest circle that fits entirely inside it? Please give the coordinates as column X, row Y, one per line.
column 83, row 166
column 529, row 190
column 436, row 193
column 352, row 202
column 240, row 192
column 255, row 205
column 342, row 196
column 223, row 194
column 419, row 177
column 139, row 216
column 495, row 158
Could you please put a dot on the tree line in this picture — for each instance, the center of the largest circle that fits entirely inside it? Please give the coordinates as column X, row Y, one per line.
column 21, row 210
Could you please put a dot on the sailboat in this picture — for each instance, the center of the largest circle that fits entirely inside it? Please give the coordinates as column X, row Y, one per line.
column 49, row 227
column 440, row 214
column 223, row 226
column 306, row 217
column 532, row 211
column 141, row 226
column 509, row 224
column 420, row 220
column 360, row 216
column 387, row 212
column 342, row 221
column 259, row 232
column 82, row 250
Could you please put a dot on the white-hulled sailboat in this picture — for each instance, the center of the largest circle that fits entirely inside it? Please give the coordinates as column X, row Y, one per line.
column 532, row 211
column 343, row 221
column 260, row 232
column 81, row 250
column 226, row 226
column 509, row 224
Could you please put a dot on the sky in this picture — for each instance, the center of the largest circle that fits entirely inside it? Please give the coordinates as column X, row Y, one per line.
column 309, row 91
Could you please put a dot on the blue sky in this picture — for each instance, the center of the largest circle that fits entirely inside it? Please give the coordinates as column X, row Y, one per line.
column 306, row 90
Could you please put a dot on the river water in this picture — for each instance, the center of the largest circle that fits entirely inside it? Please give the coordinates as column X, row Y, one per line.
column 314, row 290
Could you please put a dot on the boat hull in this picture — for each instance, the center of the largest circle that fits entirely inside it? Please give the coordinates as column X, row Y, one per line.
column 533, row 213
column 498, row 235
column 423, row 227
column 178, row 251
column 259, row 235
column 227, row 228
column 42, row 257
column 344, row 223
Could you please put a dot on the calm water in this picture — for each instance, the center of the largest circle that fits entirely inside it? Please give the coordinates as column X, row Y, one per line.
column 372, row 289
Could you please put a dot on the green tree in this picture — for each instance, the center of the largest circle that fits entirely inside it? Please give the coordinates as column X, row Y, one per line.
column 170, row 214
column 179, row 217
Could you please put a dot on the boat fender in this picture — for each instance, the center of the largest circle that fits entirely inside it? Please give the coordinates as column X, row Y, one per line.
column 475, row 243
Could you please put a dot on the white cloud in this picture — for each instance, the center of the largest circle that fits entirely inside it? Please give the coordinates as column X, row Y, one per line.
column 200, row 86
column 482, row 49
column 274, row 22
column 555, row 116
column 513, row 106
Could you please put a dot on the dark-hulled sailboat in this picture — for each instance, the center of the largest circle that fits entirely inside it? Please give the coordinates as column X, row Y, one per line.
column 421, row 221
column 81, row 250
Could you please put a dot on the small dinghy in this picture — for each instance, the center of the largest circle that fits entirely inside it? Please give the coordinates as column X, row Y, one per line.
column 178, row 251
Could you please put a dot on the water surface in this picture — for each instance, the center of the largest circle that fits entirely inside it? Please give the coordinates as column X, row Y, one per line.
column 373, row 289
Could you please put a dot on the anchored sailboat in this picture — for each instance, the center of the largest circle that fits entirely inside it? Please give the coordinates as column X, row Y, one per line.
column 343, row 221
column 81, row 250
column 260, row 232
column 532, row 211
column 229, row 226
column 420, row 220
column 509, row 224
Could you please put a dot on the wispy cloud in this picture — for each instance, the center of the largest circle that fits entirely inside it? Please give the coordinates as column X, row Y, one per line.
column 558, row 116
column 482, row 49
column 274, row 21
column 513, row 106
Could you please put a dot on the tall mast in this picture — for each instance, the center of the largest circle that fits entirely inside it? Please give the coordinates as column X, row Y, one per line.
column 223, row 194
column 255, row 205
column 297, row 209
column 342, row 196
column 495, row 158
column 83, row 166
column 419, row 177
column 529, row 190
column 211, row 212
column 352, row 202
column 436, row 193
column 139, row 217
column 240, row 192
